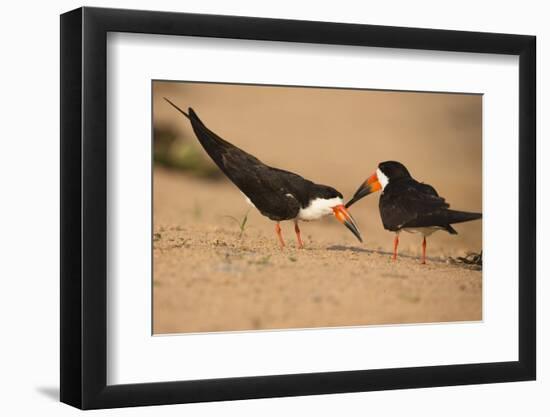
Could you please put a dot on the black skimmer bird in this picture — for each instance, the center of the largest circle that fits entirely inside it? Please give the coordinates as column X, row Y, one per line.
column 406, row 204
column 277, row 194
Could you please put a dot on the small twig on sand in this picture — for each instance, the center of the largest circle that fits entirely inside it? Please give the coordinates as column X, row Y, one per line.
column 472, row 260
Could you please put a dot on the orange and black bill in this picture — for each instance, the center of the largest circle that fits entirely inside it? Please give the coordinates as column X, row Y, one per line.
column 345, row 218
column 369, row 186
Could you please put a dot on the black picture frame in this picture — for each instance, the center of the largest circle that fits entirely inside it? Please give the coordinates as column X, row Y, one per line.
column 84, row 207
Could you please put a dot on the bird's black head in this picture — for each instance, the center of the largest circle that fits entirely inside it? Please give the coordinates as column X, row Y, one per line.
column 387, row 172
column 325, row 192
column 324, row 200
column 394, row 170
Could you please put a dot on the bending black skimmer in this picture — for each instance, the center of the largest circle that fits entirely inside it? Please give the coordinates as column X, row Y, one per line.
column 277, row 194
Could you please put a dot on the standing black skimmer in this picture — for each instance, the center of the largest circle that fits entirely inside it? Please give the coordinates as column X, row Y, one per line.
column 277, row 194
column 406, row 204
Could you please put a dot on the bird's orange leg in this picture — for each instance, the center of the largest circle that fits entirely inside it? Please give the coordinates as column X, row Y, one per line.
column 424, row 251
column 395, row 244
column 298, row 236
column 279, row 234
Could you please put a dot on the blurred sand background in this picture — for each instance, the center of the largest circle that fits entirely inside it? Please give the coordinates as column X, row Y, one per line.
column 209, row 277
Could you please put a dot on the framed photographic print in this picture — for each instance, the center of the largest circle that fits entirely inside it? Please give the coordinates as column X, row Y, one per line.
column 258, row 208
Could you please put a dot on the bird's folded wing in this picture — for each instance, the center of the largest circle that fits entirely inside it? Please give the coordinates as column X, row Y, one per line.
column 414, row 205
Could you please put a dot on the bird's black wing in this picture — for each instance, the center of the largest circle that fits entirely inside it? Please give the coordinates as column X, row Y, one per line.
column 217, row 148
column 271, row 190
column 409, row 203
column 414, row 204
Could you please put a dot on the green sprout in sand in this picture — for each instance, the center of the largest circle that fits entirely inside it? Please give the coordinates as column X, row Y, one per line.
column 240, row 223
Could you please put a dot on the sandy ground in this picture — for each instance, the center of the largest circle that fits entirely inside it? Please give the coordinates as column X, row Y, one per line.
column 209, row 278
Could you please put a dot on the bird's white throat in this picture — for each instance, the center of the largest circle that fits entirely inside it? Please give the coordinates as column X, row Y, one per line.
column 382, row 179
column 318, row 208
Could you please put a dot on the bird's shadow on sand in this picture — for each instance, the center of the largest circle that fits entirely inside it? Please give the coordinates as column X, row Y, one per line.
column 356, row 249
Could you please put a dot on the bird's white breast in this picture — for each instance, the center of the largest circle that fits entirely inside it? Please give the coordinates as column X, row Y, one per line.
column 425, row 231
column 318, row 208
